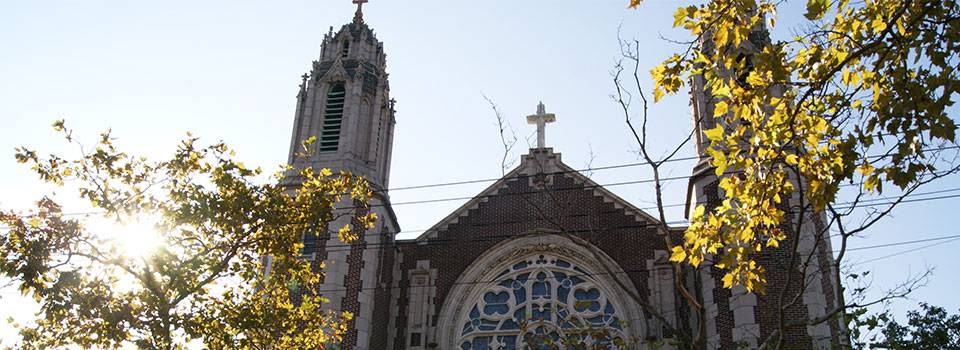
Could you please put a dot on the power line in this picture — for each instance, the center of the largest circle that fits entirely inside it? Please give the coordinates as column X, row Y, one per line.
column 608, row 167
column 439, row 241
column 900, row 243
column 626, row 271
column 907, row 251
column 860, row 204
column 584, row 187
column 562, row 189
column 589, row 169
column 950, row 238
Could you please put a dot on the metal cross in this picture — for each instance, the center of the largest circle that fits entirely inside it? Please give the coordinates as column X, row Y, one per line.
column 541, row 119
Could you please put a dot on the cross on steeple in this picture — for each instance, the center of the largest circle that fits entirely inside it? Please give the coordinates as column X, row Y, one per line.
column 541, row 119
column 358, row 17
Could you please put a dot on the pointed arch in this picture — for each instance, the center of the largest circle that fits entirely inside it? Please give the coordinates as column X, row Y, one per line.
column 332, row 118
column 345, row 48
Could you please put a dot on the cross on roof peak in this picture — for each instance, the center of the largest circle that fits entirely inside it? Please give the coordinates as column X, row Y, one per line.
column 541, row 119
column 358, row 17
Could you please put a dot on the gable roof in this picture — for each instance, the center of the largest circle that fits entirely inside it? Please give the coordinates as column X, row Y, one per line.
column 537, row 161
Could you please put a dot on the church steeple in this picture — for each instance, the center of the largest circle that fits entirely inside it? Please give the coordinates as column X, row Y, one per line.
column 345, row 103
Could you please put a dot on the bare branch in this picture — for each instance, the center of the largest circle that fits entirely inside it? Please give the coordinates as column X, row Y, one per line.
column 508, row 138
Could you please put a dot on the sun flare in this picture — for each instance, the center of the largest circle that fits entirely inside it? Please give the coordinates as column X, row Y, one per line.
column 139, row 239
column 136, row 237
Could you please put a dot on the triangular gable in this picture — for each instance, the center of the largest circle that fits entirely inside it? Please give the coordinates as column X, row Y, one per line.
column 548, row 162
column 473, row 203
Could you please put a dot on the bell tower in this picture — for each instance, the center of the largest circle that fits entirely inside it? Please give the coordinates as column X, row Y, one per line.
column 344, row 102
column 344, row 105
column 735, row 316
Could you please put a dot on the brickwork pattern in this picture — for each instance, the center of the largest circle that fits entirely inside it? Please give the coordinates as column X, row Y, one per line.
column 724, row 319
column 352, row 281
column 784, row 283
column 382, row 294
column 401, row 317
column 519, row 208
column 825, row 258
column 321, row 251
column 767, row 313
column 721, row 296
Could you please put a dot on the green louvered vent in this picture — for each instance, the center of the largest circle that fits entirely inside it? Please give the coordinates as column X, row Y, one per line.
column 332, row 119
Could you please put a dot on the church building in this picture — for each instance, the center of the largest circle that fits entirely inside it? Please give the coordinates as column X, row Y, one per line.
column 541, row 255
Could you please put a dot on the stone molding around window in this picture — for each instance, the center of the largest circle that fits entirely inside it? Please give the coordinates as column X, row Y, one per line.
column 557, row 286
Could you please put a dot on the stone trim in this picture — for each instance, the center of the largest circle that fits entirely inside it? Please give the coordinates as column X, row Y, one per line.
column 538, row 161
column 422, row 290
column 503, row 254
column 353, row 280
column 662, row 292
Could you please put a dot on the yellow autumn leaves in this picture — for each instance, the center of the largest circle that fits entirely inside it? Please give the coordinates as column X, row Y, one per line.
column 230, row 274
column 794, row 118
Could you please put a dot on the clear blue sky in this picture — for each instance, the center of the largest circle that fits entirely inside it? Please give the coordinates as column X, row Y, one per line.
column 229, row 70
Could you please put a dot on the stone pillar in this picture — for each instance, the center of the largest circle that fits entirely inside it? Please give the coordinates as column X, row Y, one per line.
column 710, row 309
column 422, row 291
column 661, row 283
column 814, row 242
column 746, row 330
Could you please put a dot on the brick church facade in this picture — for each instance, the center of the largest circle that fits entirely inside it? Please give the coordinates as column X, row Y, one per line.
column 541, row 254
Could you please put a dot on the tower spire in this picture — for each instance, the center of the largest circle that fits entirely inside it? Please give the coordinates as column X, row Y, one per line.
column 345, row 104
column 358, row 17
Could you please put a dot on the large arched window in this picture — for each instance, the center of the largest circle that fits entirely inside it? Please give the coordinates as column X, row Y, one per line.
column 539, row 300
column 332, row 119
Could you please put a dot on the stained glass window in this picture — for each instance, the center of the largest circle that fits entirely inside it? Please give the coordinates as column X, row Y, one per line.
column 538, row 301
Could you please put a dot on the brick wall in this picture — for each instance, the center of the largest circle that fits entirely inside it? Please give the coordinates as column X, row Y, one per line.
column 566, row 205
column 518, row 208
column 382, row 295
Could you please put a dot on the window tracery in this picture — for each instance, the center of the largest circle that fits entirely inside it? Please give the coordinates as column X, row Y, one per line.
column 538, row 301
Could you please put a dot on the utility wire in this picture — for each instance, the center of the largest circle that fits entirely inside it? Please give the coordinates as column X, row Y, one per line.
column 561, row 189
column 588, row 169
column 605, row 230
column 607, row 167
column 584, row 187
column 894, row 244
column 950, row 238
column 626, row 271
column 906, row 251
column 841, row 206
